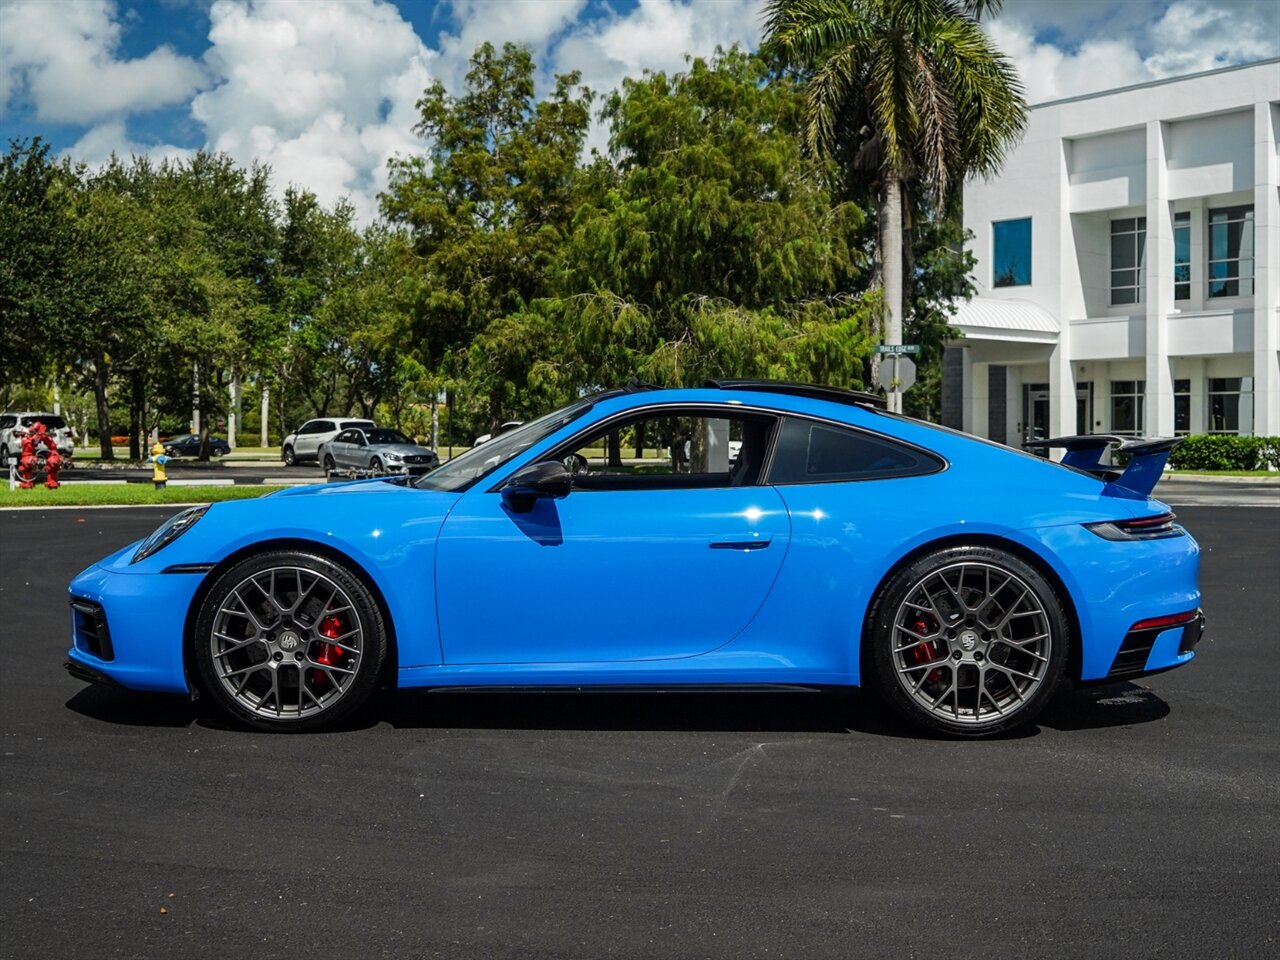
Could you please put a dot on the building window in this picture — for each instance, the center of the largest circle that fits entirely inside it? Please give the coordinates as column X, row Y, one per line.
column 1230, row 404
column 1182, row 256
column 1126, row 406
column 1128, row 248
column 1181, row 408
column 1011, row 253
column 1231, row 252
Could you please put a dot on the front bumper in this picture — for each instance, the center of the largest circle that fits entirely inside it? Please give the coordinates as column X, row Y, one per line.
column 143, row 618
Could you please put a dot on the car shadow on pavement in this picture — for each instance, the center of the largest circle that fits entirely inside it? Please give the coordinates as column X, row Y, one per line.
column 132, row 709
column 785, row 711
column 1113, row 705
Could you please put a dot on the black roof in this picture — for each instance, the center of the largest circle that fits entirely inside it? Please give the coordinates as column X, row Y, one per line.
column 812, row 390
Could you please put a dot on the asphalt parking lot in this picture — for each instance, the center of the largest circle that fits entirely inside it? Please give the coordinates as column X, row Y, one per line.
column 1134, row 820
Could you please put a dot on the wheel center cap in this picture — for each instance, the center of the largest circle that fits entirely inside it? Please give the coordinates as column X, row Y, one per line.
column 289, row 641
column 968, row 639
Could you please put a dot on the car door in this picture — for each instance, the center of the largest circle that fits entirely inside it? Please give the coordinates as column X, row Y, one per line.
column 340, row 449
column 310, row 437
column 639, row 566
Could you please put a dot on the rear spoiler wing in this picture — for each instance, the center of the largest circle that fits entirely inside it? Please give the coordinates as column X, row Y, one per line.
column 1147, row 458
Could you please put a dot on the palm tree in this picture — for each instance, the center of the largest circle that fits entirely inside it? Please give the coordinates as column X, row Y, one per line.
column 913, row 88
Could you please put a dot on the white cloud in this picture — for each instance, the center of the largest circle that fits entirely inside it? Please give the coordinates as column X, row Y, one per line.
column 64, row 55
column 1099, row 48
column 324, row 93
column 1194, row 36
column 535, row 24
column 100, row 142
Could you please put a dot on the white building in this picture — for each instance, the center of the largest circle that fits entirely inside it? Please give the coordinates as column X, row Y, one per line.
column 1128, row 267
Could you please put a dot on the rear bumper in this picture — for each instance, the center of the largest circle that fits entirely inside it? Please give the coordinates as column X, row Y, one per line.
column 1144, row 652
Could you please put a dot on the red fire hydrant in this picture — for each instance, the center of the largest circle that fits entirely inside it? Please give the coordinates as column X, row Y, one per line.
column 30, row 460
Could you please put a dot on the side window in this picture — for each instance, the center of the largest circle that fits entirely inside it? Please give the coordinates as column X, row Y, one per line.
column 7, row 422
column 671, row 450
column 346, row 436
column 308, row 428
column 811, row 452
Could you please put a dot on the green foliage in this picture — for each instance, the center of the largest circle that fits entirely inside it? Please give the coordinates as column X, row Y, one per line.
column 508, row 270
column 1218, row 451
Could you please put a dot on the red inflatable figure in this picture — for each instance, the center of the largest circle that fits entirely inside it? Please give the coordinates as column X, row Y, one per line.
column 30, row 460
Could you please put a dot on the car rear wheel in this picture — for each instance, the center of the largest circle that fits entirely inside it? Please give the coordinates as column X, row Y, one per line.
column 329, row 466
column 4, row 458
column 289, row 641
column 289, row 459
column 968, row 641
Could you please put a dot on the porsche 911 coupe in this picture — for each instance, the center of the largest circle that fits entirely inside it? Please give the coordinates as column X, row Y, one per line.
column 961, row 580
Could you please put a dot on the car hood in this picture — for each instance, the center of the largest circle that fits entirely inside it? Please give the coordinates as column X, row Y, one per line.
column 374, row 486
column 402, row 449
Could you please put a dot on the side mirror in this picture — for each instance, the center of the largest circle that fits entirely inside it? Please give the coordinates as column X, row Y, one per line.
column 546, row 480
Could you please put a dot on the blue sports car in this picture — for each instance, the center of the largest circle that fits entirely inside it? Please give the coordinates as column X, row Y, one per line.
column 747, row 532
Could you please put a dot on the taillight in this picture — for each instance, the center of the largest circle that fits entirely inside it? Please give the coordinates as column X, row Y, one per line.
column 1161, row 623
column 1155, row 527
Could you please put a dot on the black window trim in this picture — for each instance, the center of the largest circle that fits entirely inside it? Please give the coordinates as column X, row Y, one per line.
column 567, row 446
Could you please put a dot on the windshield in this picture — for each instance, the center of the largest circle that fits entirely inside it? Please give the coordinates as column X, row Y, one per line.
column 462, row 471
column 50, row 423
column 386, row 436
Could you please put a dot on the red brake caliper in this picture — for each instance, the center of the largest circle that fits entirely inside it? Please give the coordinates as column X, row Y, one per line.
column 926, row 652
column 330, row 653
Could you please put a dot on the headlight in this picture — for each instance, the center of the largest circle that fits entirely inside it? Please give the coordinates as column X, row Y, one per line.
column 169, row 531
column 393, row 456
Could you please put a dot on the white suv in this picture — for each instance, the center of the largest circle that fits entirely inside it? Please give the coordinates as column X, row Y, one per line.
column 304, row 443
column 11, row 442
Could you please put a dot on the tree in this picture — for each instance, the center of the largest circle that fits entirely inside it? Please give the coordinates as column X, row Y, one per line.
column 717, row 249
column 488, row 215
column 35, row 232
column 910, row 89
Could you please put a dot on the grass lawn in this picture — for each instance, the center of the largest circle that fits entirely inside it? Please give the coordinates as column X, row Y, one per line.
column 133, row 494
column 1259, row 474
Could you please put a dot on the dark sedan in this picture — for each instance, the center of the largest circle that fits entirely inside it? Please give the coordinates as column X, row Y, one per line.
column 188, row 445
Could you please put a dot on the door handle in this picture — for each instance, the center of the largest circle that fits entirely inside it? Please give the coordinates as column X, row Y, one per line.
column 757, row 542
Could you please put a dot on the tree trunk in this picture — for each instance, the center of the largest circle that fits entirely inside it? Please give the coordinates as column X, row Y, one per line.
column 640, row 440
column 615, row 449
column 891, row 265
column 104, row 409
column 137, row 425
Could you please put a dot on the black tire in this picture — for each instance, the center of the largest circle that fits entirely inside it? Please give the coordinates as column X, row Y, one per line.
column 958, row 639
column 299, row 631
column 329, row 466
column 4, row 458
column 289, row 459
column 376, row 467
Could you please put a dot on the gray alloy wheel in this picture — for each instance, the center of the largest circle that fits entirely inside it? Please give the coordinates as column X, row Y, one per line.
column 329, row 465
column 376, row 467
column 969, row 641
column 289, row 459
column 289, row 641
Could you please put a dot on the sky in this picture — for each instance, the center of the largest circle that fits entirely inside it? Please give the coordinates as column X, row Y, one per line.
column 324, row 91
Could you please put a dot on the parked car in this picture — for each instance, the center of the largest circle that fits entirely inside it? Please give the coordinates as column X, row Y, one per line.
column 504, row 428
column 375, row 450
column 188, row 445
column 14, row 424
column 303, row 445
column 844, row 546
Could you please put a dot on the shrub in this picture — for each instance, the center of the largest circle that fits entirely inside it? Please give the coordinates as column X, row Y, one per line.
column 1226, row 452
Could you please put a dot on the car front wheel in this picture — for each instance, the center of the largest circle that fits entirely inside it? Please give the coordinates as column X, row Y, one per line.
column 289, row 641
column 288, row 456
column 969, row 641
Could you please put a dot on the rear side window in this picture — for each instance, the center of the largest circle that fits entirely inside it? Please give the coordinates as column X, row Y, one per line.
column 7, row 422
column 361, row 424
column 809, row 452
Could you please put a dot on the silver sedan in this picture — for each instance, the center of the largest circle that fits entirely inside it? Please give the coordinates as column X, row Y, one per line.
column 375, row 450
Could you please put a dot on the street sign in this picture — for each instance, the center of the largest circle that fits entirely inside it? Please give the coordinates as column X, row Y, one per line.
column 905, row 374
column 896, row 374
column 896, row 348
